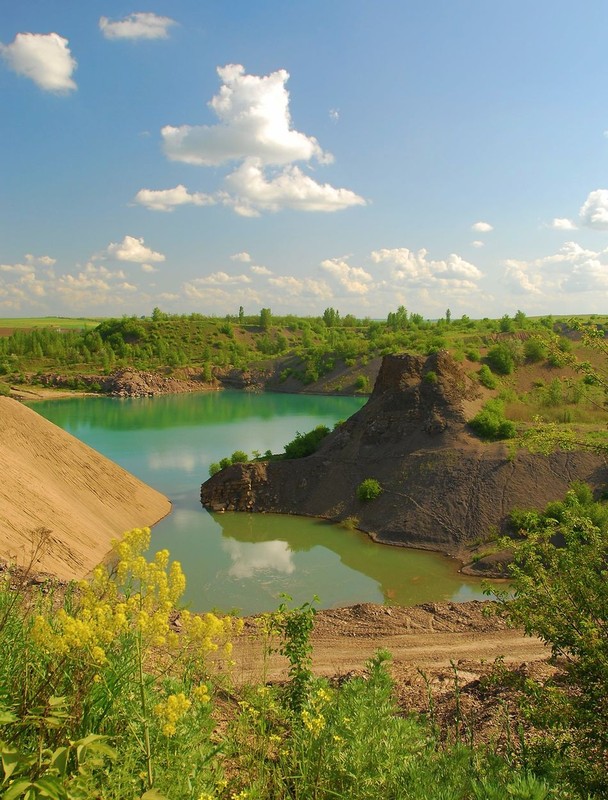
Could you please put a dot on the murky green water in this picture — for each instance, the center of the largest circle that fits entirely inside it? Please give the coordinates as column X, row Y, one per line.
column 246, row 561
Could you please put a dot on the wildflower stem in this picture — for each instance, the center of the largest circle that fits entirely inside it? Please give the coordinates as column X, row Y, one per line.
column 144, row 711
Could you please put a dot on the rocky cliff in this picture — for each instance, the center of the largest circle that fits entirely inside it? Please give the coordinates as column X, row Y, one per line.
column 443, row 487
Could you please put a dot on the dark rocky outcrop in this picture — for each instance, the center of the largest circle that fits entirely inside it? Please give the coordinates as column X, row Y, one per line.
column 443, row 487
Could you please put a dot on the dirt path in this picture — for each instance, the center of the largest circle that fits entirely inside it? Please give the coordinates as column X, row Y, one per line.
column 430, row 637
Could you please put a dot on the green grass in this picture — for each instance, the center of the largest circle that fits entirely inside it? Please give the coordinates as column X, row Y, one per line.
column 65, row 323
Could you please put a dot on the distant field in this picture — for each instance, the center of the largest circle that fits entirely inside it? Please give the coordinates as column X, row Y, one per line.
column 10, row 324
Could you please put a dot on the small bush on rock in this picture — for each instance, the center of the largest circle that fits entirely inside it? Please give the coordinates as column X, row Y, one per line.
column 369, row 489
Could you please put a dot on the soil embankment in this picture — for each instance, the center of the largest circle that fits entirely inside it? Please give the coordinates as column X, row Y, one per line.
column 51, row 482
column 443, row 488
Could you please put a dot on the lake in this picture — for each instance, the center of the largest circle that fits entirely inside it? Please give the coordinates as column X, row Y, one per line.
column 245, row 561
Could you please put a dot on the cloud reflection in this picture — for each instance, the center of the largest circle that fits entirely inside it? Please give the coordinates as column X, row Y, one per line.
column 249, row 558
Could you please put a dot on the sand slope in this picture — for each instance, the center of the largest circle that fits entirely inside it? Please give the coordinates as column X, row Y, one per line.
column 51, row 480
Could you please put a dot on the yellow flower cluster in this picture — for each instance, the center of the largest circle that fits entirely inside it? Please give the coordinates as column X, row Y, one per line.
column 201, row 693
column 140, row 599
column 170, row 711
column 313, row 717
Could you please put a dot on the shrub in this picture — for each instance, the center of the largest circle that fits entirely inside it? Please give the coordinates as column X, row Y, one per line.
column 535, row 350
column 491, row 423
column 486, row 378
column 369, row 489
column 5, row 389
column 239, row 457
column 500, row 359
column 305, row 444
column 362, row 383
column 430, row 376
column 561, row 595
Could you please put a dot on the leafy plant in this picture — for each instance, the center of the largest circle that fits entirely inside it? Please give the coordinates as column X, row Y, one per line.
column 369, row 489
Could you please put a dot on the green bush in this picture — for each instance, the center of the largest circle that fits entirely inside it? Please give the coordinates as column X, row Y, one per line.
column 430, row 376
column 305, row 444
column 491, row 423
column 5, row 389
column 535, row 350
column 560, row 593
column 500, row 358
column 486, row 378
column 369, row 489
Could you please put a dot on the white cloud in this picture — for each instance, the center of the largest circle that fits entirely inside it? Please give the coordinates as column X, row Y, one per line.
column 354, row 279
column 142, row 25
column 478, row 243
column 46, row 261
column 562, row 224
column 148, row 268
column 334, row 114
column 255, row 131
column 482, row 227
column 252, row 192
column 168, row 199
column 416, row 270
column 243, row 257
column 45, row 58
column 254, row 121
column 132, row 249
column 221, row 278
column 572, row 269
column 260, row 270
column 296, row 287
column 594, row 211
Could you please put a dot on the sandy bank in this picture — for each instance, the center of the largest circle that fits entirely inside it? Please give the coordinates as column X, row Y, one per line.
column 50, row 480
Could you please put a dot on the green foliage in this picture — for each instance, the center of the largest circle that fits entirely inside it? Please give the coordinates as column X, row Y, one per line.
column 500, row 359
column 490, row 422
column 362, row 383
column 535, row 349
column 430, row 376
column 560, row 585
column 369, row 489
column 305, row 444
column 486, row 378
column 5, row 389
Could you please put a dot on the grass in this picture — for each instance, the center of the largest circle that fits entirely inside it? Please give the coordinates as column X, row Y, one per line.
column 101, row 697
column 65, row 323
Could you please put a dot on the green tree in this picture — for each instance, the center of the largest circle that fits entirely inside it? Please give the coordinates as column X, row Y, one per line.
column 265, row 318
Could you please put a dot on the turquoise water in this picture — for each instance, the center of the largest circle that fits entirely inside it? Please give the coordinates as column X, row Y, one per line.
column 245, row 561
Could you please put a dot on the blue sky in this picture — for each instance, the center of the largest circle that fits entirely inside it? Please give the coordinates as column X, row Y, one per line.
column 298, row 155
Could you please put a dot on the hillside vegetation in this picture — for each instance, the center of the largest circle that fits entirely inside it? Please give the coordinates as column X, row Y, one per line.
column 523, row 362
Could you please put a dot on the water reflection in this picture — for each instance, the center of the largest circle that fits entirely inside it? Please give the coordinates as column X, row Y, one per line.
column 249, row 559
column 298, row 545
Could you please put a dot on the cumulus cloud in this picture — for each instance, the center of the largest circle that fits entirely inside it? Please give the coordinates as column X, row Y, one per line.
column 142, row 25
column 251, row 192
column 133, row 249
column 254, row 121
column 416, row 270
column 221, row 278
column 594, row 211
column 257, row 269
column 45, row 58
column 297, row 287
column 478, row 243
column 572, row 269
column 354, row 279
column 148, row 268
column 169, row 199
column 482, row 227
column 243, row 257
column 562, row 224
column 255, row 132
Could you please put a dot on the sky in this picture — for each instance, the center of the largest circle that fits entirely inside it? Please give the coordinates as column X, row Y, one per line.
column 202, row 156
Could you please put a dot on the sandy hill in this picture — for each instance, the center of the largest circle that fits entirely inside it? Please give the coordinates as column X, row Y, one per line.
column 50, row 480
column 443, row 487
